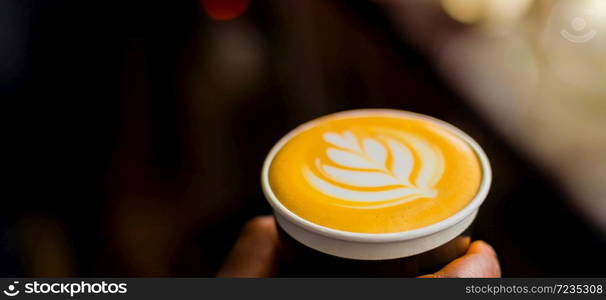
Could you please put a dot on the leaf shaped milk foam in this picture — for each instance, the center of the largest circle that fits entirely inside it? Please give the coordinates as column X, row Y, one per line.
column 355, row 164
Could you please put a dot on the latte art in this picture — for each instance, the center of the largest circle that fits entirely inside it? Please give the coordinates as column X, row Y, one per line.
column 373, row 171
column 376, row 171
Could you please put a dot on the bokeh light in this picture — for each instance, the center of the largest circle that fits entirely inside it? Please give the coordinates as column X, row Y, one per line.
column 224, row 9
column 489, row 11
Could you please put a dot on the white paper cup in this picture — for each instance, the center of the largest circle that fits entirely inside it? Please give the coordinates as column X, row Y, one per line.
column 379, row 246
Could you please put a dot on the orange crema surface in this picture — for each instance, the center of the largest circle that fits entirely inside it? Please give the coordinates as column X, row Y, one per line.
column 375, row 172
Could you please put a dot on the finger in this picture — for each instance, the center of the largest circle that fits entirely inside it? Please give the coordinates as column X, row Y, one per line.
column 479, row 261
column 462, row 245
column 481, row 247
column 254, row 254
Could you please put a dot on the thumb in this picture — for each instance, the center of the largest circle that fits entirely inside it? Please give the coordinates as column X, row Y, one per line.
column 255, row 251
column 479, row 261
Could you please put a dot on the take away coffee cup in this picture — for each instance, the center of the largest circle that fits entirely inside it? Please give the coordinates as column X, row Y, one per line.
column 374, row 192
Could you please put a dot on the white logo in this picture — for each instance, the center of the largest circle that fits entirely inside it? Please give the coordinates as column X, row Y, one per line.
column 579, row 24
column 577, row 21
column 12, row 290
column 377, row 171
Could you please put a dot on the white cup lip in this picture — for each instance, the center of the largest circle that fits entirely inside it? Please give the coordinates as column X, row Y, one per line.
column 378, row 237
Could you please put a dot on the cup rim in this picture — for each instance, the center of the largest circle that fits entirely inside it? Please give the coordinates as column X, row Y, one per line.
column 478, row 199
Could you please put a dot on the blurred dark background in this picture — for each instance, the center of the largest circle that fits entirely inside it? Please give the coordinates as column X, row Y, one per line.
column 137, row 129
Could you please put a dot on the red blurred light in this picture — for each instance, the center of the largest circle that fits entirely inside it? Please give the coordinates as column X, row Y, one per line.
column 224, row 9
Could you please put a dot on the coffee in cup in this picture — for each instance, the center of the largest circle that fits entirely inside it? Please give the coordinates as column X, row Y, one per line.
column 375, row 185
